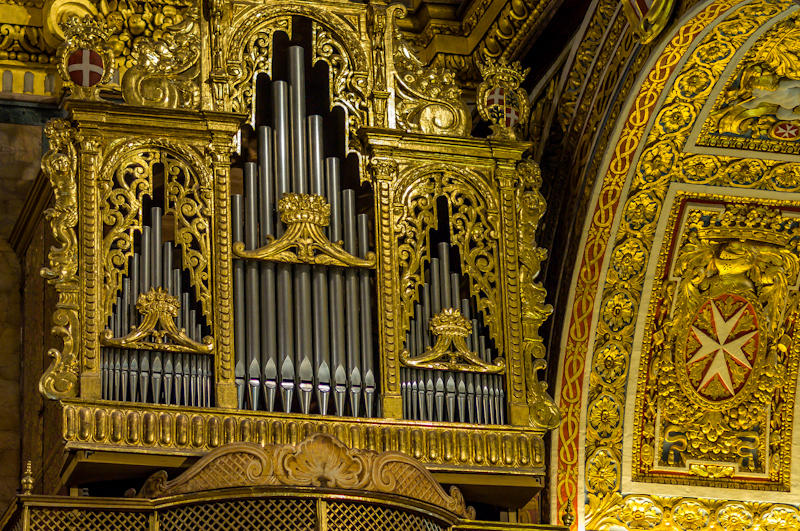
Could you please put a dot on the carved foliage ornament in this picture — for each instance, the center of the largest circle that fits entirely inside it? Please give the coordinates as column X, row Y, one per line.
column 305, row 216
column 60, row 380
column 450, row 351
column 85, row 61
column 159, row 310
column 319, row 461
column 165, row 70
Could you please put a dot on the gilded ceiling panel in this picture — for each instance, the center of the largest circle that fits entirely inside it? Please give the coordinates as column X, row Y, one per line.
column 758, row 109
column 716, row 382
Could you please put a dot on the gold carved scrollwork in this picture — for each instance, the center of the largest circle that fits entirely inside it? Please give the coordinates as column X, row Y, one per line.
column 305, row 215
column 530, row 207
column 348, row 75
column 188, row 199
column 165, row 70
column 158, row 308
column 335, row 41
column 255, row 58
column 451, row 329
column 428, row 99
column 318, row 461
column 473, row 227
column 121, row 199
column 60, row 380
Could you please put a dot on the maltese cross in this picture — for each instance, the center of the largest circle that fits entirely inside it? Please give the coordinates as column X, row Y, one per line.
column 721, row 348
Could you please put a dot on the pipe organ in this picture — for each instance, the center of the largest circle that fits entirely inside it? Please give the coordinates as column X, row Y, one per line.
column 283, row 228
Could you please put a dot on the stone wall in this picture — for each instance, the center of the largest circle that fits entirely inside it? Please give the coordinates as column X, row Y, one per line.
column 10, row 342
column 20, row 155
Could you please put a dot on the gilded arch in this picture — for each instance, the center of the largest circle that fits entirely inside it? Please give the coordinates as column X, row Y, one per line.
column 350, row 82
column 645, row 181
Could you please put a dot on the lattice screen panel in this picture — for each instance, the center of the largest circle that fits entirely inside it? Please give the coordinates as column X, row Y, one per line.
column 282, row 514
column 349, row 516
column 52, row 519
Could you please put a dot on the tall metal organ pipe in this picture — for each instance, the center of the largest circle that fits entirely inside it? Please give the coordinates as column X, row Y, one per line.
column 313, row 322
column 152, row 374
column 452, row 396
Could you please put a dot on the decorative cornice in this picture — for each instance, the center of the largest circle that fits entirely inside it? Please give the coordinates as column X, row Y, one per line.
column 488, row 29
column 321, row 461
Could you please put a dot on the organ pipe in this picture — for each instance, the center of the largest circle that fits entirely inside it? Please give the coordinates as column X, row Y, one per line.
column 153, row 375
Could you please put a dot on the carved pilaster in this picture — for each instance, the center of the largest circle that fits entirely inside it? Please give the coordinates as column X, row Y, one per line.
column 91, row 236
column 384, row 171
column 219, row 152
column 506, row 176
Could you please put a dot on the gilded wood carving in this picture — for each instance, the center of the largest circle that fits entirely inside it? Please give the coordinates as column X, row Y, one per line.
column 318, row 461
column 721, row 363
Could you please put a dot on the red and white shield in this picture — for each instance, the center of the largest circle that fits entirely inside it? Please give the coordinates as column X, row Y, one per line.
column 501, row 107
column 85, row 67
column 786, row 131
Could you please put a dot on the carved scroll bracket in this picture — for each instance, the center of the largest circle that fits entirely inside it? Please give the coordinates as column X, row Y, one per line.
column 543, row 412
column 166, row 70
column 428, row 98
column 158, row 307
column 305, row 215
column 451, row 330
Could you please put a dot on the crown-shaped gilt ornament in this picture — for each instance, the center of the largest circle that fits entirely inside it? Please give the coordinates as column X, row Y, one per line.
column 746, row 222
column 500, row 99
column 85, row 60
